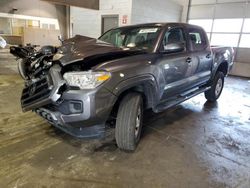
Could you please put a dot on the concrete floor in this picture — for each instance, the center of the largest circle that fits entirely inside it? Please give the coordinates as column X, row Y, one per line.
column 195, row 144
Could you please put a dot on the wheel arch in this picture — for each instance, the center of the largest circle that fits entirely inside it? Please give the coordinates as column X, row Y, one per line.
column 145, row 85
column 223, row 67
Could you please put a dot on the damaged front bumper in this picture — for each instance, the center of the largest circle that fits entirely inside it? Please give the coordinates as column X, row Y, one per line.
column 43, row 91
column 80, row 113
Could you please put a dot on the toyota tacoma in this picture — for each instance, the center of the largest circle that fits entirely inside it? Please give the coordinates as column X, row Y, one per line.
column 88, row 86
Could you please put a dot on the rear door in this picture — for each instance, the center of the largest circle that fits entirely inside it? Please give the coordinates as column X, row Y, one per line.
column 201, row 56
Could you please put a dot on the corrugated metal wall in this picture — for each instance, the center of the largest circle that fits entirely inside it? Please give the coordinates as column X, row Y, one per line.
column 235, row 12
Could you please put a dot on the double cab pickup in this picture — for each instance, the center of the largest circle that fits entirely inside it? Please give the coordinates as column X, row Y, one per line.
column 87, row 86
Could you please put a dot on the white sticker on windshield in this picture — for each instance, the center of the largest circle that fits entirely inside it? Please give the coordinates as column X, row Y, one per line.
column 150, row 30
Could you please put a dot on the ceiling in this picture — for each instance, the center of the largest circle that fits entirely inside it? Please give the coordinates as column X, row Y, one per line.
column 91, row 4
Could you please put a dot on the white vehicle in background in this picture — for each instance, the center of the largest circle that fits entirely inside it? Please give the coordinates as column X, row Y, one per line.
column 3, row 43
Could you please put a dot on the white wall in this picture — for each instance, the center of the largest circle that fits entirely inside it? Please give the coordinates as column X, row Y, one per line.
column 84, row 22
column 88, row 22
column 41, row 37
column 144, row 11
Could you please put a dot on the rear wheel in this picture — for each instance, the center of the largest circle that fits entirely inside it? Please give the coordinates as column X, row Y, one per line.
column 216, row 89
column 129, row 122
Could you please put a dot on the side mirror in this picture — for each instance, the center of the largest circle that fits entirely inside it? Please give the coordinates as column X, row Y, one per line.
column 173, row 48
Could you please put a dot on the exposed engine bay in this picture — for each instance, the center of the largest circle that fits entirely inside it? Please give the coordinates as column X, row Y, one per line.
column 33, row 66
column 32, row 62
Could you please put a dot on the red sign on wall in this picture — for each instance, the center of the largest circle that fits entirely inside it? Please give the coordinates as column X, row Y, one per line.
column 124, row 19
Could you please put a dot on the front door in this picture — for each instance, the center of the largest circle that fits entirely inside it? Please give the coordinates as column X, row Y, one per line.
column 176, row 67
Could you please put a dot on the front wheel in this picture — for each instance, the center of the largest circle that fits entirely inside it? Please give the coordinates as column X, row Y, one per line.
column 216, row 89
column 129, row 122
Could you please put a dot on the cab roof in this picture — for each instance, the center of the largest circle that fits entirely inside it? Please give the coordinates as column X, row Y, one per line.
column 162, row 24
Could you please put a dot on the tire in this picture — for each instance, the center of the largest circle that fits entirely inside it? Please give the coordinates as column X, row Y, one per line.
column 216, row 89
column 129, row 122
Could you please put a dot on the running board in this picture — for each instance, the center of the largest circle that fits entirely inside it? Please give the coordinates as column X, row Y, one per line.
column 181, row 98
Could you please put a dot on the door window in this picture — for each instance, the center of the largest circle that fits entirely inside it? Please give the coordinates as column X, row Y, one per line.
column 173, row 36
column 197, row 40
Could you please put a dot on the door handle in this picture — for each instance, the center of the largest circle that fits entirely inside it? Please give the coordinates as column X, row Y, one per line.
column 208, row 56
column 189, row 60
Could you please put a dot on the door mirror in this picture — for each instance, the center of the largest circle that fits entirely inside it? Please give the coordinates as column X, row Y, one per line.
column 173, row 48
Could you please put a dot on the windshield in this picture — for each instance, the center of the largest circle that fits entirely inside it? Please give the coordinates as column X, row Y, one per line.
column 132, row 37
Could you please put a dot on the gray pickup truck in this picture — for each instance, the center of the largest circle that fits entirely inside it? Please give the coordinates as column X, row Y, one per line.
column 87, row 86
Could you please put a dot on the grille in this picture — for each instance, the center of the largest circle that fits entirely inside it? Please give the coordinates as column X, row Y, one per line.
column 35, row 92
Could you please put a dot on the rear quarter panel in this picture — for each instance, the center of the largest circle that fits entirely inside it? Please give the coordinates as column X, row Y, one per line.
column 222, row 54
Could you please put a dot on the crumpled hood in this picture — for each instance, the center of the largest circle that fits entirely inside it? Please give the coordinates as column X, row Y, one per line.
column 80, row 47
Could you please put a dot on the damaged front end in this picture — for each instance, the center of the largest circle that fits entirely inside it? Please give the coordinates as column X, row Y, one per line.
column 68, row 87
column 66, row 107
column 43, row 80
column 44, row 90
column 61, row 87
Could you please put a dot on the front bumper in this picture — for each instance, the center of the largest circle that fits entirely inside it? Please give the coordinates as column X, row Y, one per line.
column 90, row 122
column 95, row 131
column 81, row 113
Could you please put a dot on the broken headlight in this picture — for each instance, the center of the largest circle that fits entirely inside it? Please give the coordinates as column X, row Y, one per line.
column 86, row 80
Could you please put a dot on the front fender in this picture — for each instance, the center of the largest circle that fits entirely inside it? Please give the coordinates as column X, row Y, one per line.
column 146, row 84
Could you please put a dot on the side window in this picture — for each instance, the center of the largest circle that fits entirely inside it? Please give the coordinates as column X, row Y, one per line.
column 174, row 36
column 197, row 40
